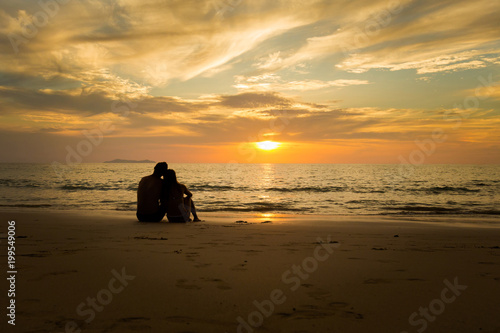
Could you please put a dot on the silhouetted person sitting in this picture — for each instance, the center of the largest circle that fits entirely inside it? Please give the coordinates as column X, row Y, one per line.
column 179, row 207
column 150, row 208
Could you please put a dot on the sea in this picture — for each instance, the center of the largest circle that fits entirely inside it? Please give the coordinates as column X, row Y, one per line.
column 332, row 189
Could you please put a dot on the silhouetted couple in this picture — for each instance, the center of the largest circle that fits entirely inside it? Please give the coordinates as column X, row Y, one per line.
column 157, row 197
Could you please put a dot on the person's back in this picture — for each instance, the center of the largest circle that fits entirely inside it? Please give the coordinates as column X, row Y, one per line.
column 178, row 207
column 175, row 202
column 149, row 195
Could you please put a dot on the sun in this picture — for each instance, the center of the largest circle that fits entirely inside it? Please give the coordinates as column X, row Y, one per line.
column 267, row 145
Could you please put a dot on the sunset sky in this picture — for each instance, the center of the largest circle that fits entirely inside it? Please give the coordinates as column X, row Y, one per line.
column 358, row 81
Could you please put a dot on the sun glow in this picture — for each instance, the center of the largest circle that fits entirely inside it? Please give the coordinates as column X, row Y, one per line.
column 267, row 145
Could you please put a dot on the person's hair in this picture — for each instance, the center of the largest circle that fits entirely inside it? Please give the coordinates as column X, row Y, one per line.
column 171, row 180
column 161, row 168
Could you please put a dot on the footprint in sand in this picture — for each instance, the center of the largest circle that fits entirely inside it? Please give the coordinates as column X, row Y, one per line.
column 251, row 251
column 221, row 284
column 388, row 261
column 202, row 265
column 132, row 319
column 36, row 255
column 309, row 311
column 151, row 238
column 191, row 255
column 338, row 305
column 376, row 281
column 240, row 267
column 340, row 308
column 183, row 283
column 133, row 324
column 414, row 279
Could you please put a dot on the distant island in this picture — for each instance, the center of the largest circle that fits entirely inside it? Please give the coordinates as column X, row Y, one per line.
column 129, row 161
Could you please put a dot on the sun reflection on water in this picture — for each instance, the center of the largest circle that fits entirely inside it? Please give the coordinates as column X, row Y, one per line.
column 268, row 175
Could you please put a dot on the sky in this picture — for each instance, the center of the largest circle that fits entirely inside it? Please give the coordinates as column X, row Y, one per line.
column 358, row 81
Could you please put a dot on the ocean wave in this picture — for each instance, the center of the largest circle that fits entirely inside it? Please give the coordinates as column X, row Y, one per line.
column 440, row 190
column 206, row 187
column 82, row 187
column 479, row 183
column 430, row 209
column 485, row 212
column 408, row 209
column 361, row 201
column 452, row 189
column 77, row 187
column 368, row 191
column 20, row 183
column 308, row 189
column 27, row 205
column 252, row 207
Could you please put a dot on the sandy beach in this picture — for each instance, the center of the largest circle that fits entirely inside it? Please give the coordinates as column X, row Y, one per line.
column 343, row 157
column 106, row 272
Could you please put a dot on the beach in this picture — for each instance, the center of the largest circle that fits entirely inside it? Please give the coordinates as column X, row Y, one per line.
column 343, row 157
column 102, row 271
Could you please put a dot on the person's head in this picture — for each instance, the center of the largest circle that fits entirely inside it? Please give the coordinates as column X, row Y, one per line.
column 160, row 169
column 171, row 177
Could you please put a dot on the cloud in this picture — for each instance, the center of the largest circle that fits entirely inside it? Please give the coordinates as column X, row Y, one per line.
column 223, row 119
column 254, row 100
column 271, row 61
column 40, row 101
column 219, row 72
column 152, row 43
column 426, row 35
column 486, row 91
column 461, row 61
column 272, row 82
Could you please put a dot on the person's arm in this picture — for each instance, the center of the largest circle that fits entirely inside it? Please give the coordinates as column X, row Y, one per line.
column 187, row 192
